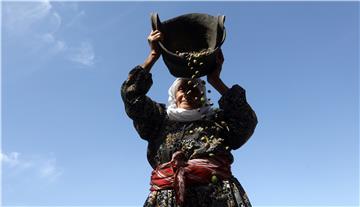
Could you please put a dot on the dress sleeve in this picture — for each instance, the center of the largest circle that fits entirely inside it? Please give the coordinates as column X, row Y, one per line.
column 147, row 115
column 238, row 115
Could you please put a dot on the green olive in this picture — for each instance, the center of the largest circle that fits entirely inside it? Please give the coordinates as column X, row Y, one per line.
column 214, row 179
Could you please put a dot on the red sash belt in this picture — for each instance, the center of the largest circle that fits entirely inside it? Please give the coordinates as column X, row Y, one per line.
column 178, row 172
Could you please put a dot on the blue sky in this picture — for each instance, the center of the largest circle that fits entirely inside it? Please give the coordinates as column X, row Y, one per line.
column 66, row 139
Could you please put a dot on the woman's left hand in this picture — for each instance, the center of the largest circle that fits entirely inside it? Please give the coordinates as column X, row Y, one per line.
column 214, row 76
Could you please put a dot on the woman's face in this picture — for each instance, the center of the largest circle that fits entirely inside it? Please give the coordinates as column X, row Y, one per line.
column 188, row 97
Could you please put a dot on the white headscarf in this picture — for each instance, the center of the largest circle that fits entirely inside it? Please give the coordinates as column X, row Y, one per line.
column 183, row 115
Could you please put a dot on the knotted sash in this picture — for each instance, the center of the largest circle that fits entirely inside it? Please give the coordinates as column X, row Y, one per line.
column 178, row 172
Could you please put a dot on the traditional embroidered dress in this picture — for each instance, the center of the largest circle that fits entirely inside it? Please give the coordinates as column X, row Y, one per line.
column 191, row 159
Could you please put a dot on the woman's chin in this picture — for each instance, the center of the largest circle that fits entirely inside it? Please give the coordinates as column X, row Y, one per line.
column 185, row 106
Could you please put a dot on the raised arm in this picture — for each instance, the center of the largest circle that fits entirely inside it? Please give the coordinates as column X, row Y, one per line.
column 240, row 119
column 146, row 113
column 154, row 55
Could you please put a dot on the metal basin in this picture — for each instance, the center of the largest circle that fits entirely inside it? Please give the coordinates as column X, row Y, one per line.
column 188, row 34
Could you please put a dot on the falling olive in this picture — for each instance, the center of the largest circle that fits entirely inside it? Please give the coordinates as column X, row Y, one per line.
column 214, row 179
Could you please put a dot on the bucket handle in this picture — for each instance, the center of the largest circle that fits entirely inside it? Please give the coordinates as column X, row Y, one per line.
column 155, row 21
column 221, row 20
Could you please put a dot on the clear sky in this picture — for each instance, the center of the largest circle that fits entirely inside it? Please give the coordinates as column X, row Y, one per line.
column 66, row 139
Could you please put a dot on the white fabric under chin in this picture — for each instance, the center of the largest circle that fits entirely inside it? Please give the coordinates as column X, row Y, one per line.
column 183, row 115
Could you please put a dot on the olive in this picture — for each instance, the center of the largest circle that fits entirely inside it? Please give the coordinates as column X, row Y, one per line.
column 214, row 179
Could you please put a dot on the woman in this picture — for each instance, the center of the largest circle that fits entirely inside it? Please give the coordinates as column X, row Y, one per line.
column 189, row 142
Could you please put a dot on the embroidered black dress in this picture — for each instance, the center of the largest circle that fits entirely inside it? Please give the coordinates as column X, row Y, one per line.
column 228, row 129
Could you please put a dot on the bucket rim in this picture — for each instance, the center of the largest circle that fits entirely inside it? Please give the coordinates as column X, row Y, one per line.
column 156, row 23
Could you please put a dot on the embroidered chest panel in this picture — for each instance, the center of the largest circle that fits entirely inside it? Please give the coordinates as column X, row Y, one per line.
column 195, row 139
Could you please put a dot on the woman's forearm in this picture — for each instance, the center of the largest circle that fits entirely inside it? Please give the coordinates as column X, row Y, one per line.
column 219, row 85
column 150, row 60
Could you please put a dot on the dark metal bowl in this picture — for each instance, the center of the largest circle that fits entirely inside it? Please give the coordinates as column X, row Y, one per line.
column 189, row 33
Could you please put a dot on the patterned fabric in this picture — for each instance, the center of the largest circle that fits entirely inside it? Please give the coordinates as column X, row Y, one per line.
column 229, row 128
column 226, row 193
column 178, row 173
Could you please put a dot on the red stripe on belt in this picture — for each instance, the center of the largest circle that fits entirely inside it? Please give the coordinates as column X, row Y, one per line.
column 179, row 172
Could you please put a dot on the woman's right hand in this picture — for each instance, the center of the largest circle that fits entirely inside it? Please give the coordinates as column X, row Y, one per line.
column 153, row 38
column 154, row 55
